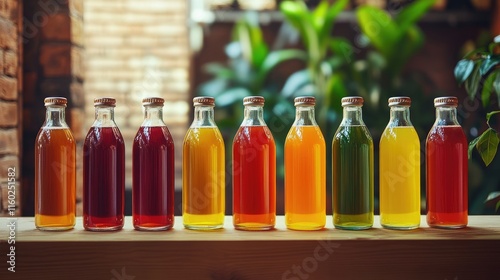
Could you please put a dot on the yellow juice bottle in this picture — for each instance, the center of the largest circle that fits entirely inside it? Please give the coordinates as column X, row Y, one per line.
column 400, row 169
column 305, row 170
column 203, row 173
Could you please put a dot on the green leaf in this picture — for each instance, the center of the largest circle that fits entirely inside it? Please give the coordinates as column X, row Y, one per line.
column 493, row 199
column 490, row 114
column 319, row 15
column 231, row 96
column 412, row 13
column 276, row 57
column 487, row 145
column 218, row 70
column 248, row 33
column 496, row 85
column 463, row 70
column 472, row 145
column 488, row 63
column 342, row 48
column 295, row 82
column 487, row 89
column 378, row 26
column 332, row 13
column 472, row 83
column 491, row 46
column 297, row 14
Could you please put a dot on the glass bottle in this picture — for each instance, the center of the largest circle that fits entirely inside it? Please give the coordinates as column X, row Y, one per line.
column 103, row 171
column 352, row 150
column 55, row 170
column 204, row 180
column 254, row 170
column 447, row 167
column 399, row 169
column 153, row 166
column 305, row 170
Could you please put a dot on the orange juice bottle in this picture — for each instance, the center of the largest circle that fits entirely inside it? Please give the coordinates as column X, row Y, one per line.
column 203, row 173
column 305, row 170
column 55, row 170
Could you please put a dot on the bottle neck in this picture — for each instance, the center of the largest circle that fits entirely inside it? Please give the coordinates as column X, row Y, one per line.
column 304, row 115
column 352, row 116
column 55, row 116
column 253, row 116
column 400, row 116
column 203, row 116
column 104, row 117
column 153, row 116
column 446, row 115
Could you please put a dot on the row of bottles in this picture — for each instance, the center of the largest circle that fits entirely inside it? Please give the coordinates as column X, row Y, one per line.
column 253, row 170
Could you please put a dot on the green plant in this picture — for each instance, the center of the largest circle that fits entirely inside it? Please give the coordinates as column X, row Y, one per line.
column 480, row 71
column 325, row 55
column 247, row 71
column 395, row 38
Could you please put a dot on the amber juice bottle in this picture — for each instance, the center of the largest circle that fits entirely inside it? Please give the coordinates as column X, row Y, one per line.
column 55, row 169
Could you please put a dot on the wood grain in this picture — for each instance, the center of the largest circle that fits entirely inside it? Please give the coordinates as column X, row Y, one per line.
column 425, row 253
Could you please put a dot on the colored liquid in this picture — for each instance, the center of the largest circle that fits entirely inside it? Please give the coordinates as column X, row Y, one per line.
column 352, row 178
column 103, row 179
column 305, row 178
column 153, row 179
column 55, row 184
column 400, row 178
column 204, row 179
column 254, row 178
column 447, row 191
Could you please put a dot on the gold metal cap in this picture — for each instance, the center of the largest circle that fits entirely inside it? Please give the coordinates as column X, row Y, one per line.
column 399, row 101
column 105, row 101
column 153, row 101
column 305, row 100
column 204, row 101
column 352, row 100
column 446, row 101
column 253, row 100
column 57, row 101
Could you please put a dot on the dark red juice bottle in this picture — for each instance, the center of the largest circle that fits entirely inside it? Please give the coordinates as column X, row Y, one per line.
column 153, row 171
column 447, row 167
column 103, row 171
column 254, row 170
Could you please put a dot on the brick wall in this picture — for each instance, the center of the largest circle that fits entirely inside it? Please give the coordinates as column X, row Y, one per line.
column 10, row 100
column 137, row 49
column 53, row 66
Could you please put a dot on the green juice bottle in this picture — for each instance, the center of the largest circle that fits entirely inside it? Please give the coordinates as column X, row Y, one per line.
column 352, row 163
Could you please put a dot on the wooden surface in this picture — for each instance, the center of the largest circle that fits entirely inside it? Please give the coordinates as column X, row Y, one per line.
column 424, row 253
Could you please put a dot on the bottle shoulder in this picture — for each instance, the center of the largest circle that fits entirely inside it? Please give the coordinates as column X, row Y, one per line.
column 203, row 134
column 447, row 133
column 351, row 133
column 55, row 135
column 260, row 134
column 305, row 133
column 104, row 136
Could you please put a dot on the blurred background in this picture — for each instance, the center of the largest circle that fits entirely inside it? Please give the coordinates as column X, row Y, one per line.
column 230, row 49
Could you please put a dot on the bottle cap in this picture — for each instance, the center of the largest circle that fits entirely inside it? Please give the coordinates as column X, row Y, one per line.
column 399, row 101
column 58, row 101
column 352, row 100
column 204, row 101
column 153, row 101
column 253, row 100
column 446, row 101
column 105, row 101
column 305, row 100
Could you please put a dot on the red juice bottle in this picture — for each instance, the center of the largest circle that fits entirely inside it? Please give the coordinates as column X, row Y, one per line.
column 446, row 164
column 103, row 171
column 254, row 170
column 153, row 184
